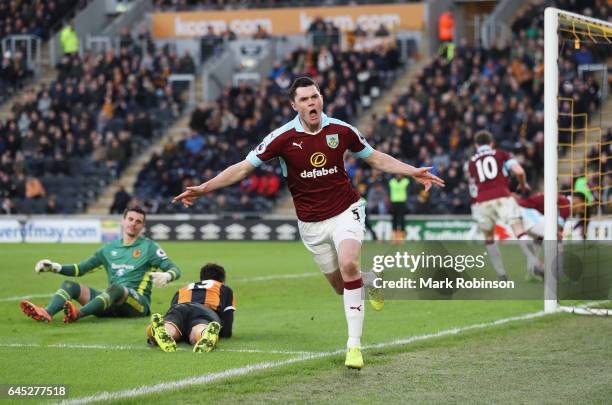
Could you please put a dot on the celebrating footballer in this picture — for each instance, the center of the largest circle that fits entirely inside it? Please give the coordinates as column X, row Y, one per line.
column 330, row 215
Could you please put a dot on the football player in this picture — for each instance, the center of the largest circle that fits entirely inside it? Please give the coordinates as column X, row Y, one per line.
column 492, row 200
column 128, row 263
column 199, row 313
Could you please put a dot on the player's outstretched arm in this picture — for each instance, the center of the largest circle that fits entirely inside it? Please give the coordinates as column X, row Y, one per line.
column 389, row 164
column 73, row 270
column 229, row 176
column 519, row 172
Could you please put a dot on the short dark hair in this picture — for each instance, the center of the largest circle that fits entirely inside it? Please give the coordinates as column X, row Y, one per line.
column 483, row 137
column 212, row 271
column 581, row 196
column 135, row 208
column 303, row 81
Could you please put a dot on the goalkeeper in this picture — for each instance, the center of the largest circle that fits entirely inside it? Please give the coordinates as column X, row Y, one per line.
column 199, row 313
column 128, row 263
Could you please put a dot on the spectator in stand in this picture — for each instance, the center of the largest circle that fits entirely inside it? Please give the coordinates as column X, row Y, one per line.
column 220, row 205
column 69, row 39
column 229, row 35
column 52, row 206
column 250, row 185
column 209, row 44
column 7, row 207
column 359, row 31
column 186, row 63
column 261, row 33
column 382, row 31
column 317, row 31
column 398, row 195
column 7, row 70
column 446, row 34
column 378, row 200
column 194, row 143
column 325, row 60
column 121, row 201
column 269, row 185
column 34, row 188
column 199, row 117
column 246, row 204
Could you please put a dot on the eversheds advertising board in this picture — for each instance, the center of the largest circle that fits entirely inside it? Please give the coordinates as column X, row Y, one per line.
column 51, row 231
column 427, row 229
column 10, row 231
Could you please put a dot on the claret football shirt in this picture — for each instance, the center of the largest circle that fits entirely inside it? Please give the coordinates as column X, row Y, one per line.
column 314, row 165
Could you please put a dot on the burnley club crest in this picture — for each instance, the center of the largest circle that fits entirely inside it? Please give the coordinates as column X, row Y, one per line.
column 332, row 141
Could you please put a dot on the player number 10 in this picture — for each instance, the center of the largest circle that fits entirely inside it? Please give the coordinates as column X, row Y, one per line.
column 487, row 169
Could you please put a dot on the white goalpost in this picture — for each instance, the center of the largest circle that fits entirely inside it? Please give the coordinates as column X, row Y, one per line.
column 578, row 29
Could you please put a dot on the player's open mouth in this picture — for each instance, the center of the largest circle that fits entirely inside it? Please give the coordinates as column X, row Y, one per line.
column 312, row 114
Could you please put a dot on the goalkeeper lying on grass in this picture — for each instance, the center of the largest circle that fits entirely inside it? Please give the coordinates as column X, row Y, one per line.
column 199, row 313
column 128, row 263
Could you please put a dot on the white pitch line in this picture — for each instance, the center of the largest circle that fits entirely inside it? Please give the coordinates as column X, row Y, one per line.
column 455, row 331
column 25, row 297
column 133, row 347
column 277, row 277
column 265, row 351
column 203, row 379
column 236, row 372
column 75, row 346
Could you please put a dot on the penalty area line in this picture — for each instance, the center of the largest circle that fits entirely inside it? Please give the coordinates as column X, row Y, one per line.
column 241, row 371
column 142, row 347
column 276, row 277
column 25, row 297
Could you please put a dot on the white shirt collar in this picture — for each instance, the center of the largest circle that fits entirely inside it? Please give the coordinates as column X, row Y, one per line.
column 325, row 121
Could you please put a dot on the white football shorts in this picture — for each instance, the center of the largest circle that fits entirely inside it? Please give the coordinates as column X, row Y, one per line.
column 323, row 238
column 533, row 222
column 505, row 210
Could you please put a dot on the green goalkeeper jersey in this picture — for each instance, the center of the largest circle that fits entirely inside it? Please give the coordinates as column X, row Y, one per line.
column 129, row 266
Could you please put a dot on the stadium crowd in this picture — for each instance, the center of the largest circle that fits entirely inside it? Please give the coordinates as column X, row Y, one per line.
column 432, row 123
column 120, row 98
column 18, row 17
column 79, row 132
column 499, row 89
column 223, row 132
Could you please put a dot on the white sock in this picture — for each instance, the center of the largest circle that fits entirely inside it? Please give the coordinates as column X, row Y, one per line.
column 368, row 278
column 524, row 243
column 558, row 269
column 496, row 259
column 354, row 310
column 535, row 248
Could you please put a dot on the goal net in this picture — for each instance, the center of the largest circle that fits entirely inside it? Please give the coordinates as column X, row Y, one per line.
column 577, row 144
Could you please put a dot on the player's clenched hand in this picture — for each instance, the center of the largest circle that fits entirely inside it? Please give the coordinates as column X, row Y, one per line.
column 47, row 265
column 160, row 279
column 422, row 176
column 190, row 194
column 524, row 187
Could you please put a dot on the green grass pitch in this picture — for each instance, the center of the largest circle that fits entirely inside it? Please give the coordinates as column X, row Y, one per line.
column 290, row 323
